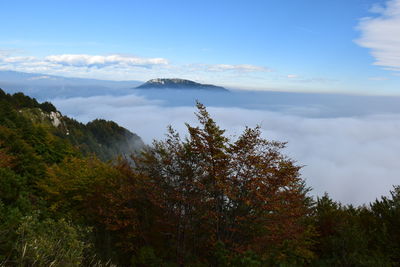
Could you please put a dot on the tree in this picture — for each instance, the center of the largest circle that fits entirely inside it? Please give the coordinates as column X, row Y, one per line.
column 348, row 236
column 243, row 194
column 387, row 223
column 72, row 187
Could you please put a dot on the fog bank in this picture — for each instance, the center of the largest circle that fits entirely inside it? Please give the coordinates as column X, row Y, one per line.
column 352, row 157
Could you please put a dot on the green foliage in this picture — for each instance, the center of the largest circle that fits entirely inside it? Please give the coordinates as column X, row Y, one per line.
column 224, row 257
column 32, row 150
column 20, row 100
column 104, row 138
column 71, row 185
column 113, row 138
column 47, row 107
column 249, row 259
column 146, row 257
column 386, row 224
column 10, row 217
column 49, row 243
column 347, row 236
column 11, row 186
column 32, row 121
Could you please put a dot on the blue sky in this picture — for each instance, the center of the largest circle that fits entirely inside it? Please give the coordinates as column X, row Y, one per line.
column 347, row 46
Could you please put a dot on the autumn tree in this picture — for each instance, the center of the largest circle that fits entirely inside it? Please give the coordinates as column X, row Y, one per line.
column 245, row 195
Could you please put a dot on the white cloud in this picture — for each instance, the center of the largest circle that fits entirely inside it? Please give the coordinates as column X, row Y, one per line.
column 126, row 67
column 44, row 77
column 110, row 66
column 240, row 68
column 103, row 61
column 19, row 59
column 378, row 78
column 292, row 76
column 243, row 68
column 377, row 8
column 381, row 34
column 8, row 52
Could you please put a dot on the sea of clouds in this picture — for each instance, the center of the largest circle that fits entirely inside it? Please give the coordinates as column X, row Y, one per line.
column 349, row 151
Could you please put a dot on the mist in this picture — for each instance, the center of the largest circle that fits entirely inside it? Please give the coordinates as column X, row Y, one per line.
column 348, row 145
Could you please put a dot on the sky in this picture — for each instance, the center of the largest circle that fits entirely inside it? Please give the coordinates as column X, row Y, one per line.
column 341, row 46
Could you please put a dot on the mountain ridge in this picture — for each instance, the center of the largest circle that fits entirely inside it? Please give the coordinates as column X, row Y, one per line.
column 45, row 86
column 106, row 139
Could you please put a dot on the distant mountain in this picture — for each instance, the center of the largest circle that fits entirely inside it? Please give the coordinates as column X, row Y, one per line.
column 44, row 86
column 180, row 84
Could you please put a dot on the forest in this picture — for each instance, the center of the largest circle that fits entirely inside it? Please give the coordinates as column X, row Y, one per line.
column 94, row 195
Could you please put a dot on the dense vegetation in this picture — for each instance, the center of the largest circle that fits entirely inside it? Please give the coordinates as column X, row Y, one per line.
column 203, row 200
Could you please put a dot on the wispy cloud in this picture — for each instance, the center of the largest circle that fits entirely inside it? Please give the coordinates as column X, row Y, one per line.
column 301, row 79
column 381, row 34
column 81, row 65
column 242, row 68
column 239, row 68
column 104, row 61
column 121, row 67
column 20, row 59
column 8, row 52
column 83, row 60
column 378, row 78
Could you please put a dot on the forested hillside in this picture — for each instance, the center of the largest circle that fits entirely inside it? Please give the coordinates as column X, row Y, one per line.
column 204, row 200
column 104, row 138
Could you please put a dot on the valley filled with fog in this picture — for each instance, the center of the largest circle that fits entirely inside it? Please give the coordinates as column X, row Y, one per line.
column 344, row 142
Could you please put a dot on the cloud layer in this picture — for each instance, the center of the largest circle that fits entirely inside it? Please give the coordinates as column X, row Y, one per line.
column 83, row 60
column 113, row 67
column 120, row 67
column 381, row 34
column 228, row 67
column 103, row 61
column 355, row 159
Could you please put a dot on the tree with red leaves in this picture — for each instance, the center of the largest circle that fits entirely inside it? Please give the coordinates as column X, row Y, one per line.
column 244, row 194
